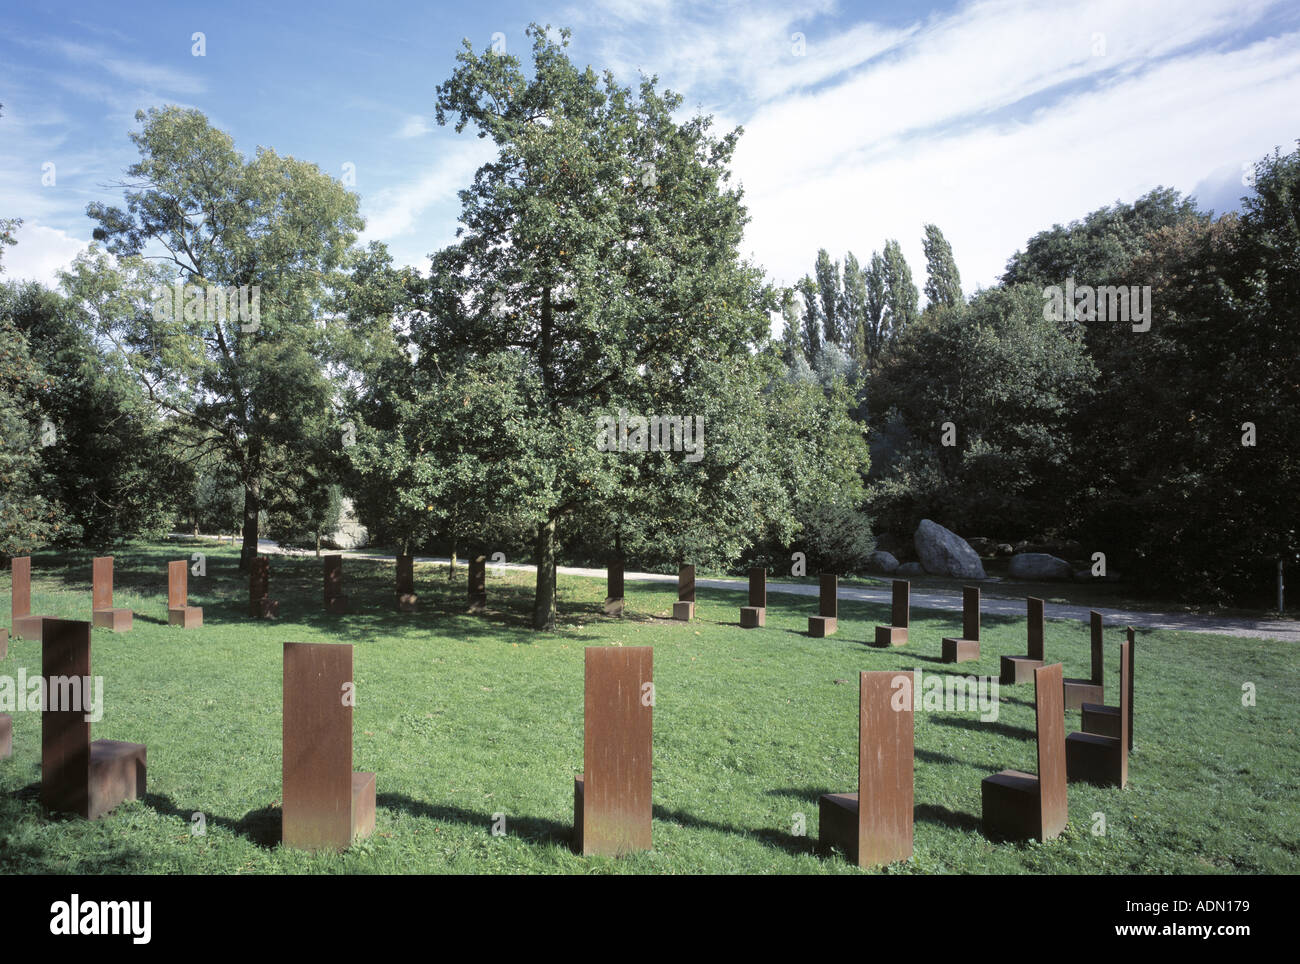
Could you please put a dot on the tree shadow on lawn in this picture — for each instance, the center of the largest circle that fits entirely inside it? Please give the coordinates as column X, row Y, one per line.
column 262, row 827
column 788, row 842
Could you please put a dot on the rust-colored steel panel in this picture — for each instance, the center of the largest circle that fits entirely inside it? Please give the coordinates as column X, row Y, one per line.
column 617, row 733
column 65, row 732
column 478, row 583
column 1125, row 708
column 828, row 602
column 178, row 584
column 101, row 583
column 405, row 575
column 6, row 735
column 885, row 773
column 970, row 613
column 1049, row 711
column 901, row 611
column 1095, row 629
column 758, row 587
column 260, row 605
column 20, row 599
column 1035, row 627
column 686, row 584
column 614, row 581
column 317, row 733
column 1132, row 659
column 333, row 566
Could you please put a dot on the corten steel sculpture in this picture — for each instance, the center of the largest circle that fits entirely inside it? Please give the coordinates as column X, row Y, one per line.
column 103, row 615
column 1020, row 669
column 1108, row 720
column 478, row 584
column 755, row 614
column 1104, row 759
column 826, row 622
column 336, row 601
column 684, row 608
column 406, row 598
column 78, row 776
column 900, row 616
column 611, row 796
column 260, row 604
column 614, row 590
column 179, row 611
column 1020, row 805
column 966, row 648
column 874, row 825
column 22, row 622
column 1090, row 690
column 6, row 735
column 325, row 805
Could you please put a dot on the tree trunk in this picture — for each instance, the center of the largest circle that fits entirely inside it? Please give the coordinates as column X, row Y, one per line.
column 544, row 602
column 252, row 508
column 451, row 563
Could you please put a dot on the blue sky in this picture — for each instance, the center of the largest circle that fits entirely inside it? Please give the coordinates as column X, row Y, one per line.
column 992, row 119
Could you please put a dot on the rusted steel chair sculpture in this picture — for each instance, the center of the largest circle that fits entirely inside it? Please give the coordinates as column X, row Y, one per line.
column 826, row 622
column 405, row 584
column 78, row 776
column 325, row 804
column 22, row 622
column 1107, row 720
column 684, row 608
column 478, row 584
column 614, row 589
column 1104, row 759
column 900, row 616
column 874, row 825
column 1021, row 669
column 102, row 613
column 336, row 601
column 612, row 795
column 1023, row 805
column 260, row 604
column 755, row 614
column 1092, row 689
column 966, row 648
column 179, row 611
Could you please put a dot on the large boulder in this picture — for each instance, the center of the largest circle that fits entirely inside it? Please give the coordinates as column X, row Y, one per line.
column 909, row 569
column 881, row 561
column 1038, row 565
column 944, row 553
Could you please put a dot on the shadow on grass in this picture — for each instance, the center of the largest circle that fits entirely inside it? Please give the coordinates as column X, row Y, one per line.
column 979, row 726
column 262, row 827
column 958, row 820
column 536, row 830
column 788, row 842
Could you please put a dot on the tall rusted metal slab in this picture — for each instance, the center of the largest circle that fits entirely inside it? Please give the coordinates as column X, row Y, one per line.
column 1104, row 759
column 22, row 622
column 900, row 616
column 612, row 796
column 1021, row 669
column 967, row 647
column 1092, row 689
column 6, row 735
column 1021, row 805
column 260, row 603
column 78, row 776
column 325, row 805
column 103, row 615
column 405, row 585
column 827, row 621
column 336, row 601
column 755, row 614
column 179, row 611
column 684, row 608
column 478, row 584
column 614, row 589
column 874, row 825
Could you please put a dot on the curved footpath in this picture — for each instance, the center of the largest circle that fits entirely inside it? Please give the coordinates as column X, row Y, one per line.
column 1287, row 630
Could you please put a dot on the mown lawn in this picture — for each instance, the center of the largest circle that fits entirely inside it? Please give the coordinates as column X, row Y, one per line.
column 463, row 717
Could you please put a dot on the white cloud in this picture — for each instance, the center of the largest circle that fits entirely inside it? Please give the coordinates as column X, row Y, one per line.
column 414, row 126
column 393, row 212
column 39, row 255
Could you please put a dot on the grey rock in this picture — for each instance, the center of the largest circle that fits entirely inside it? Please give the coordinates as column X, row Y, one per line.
column 944, row 553
column 881, row 561
column 910, row 569
column 1038, row 565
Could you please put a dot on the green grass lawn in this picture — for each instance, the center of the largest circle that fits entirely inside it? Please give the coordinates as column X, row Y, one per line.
column 462, row 717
